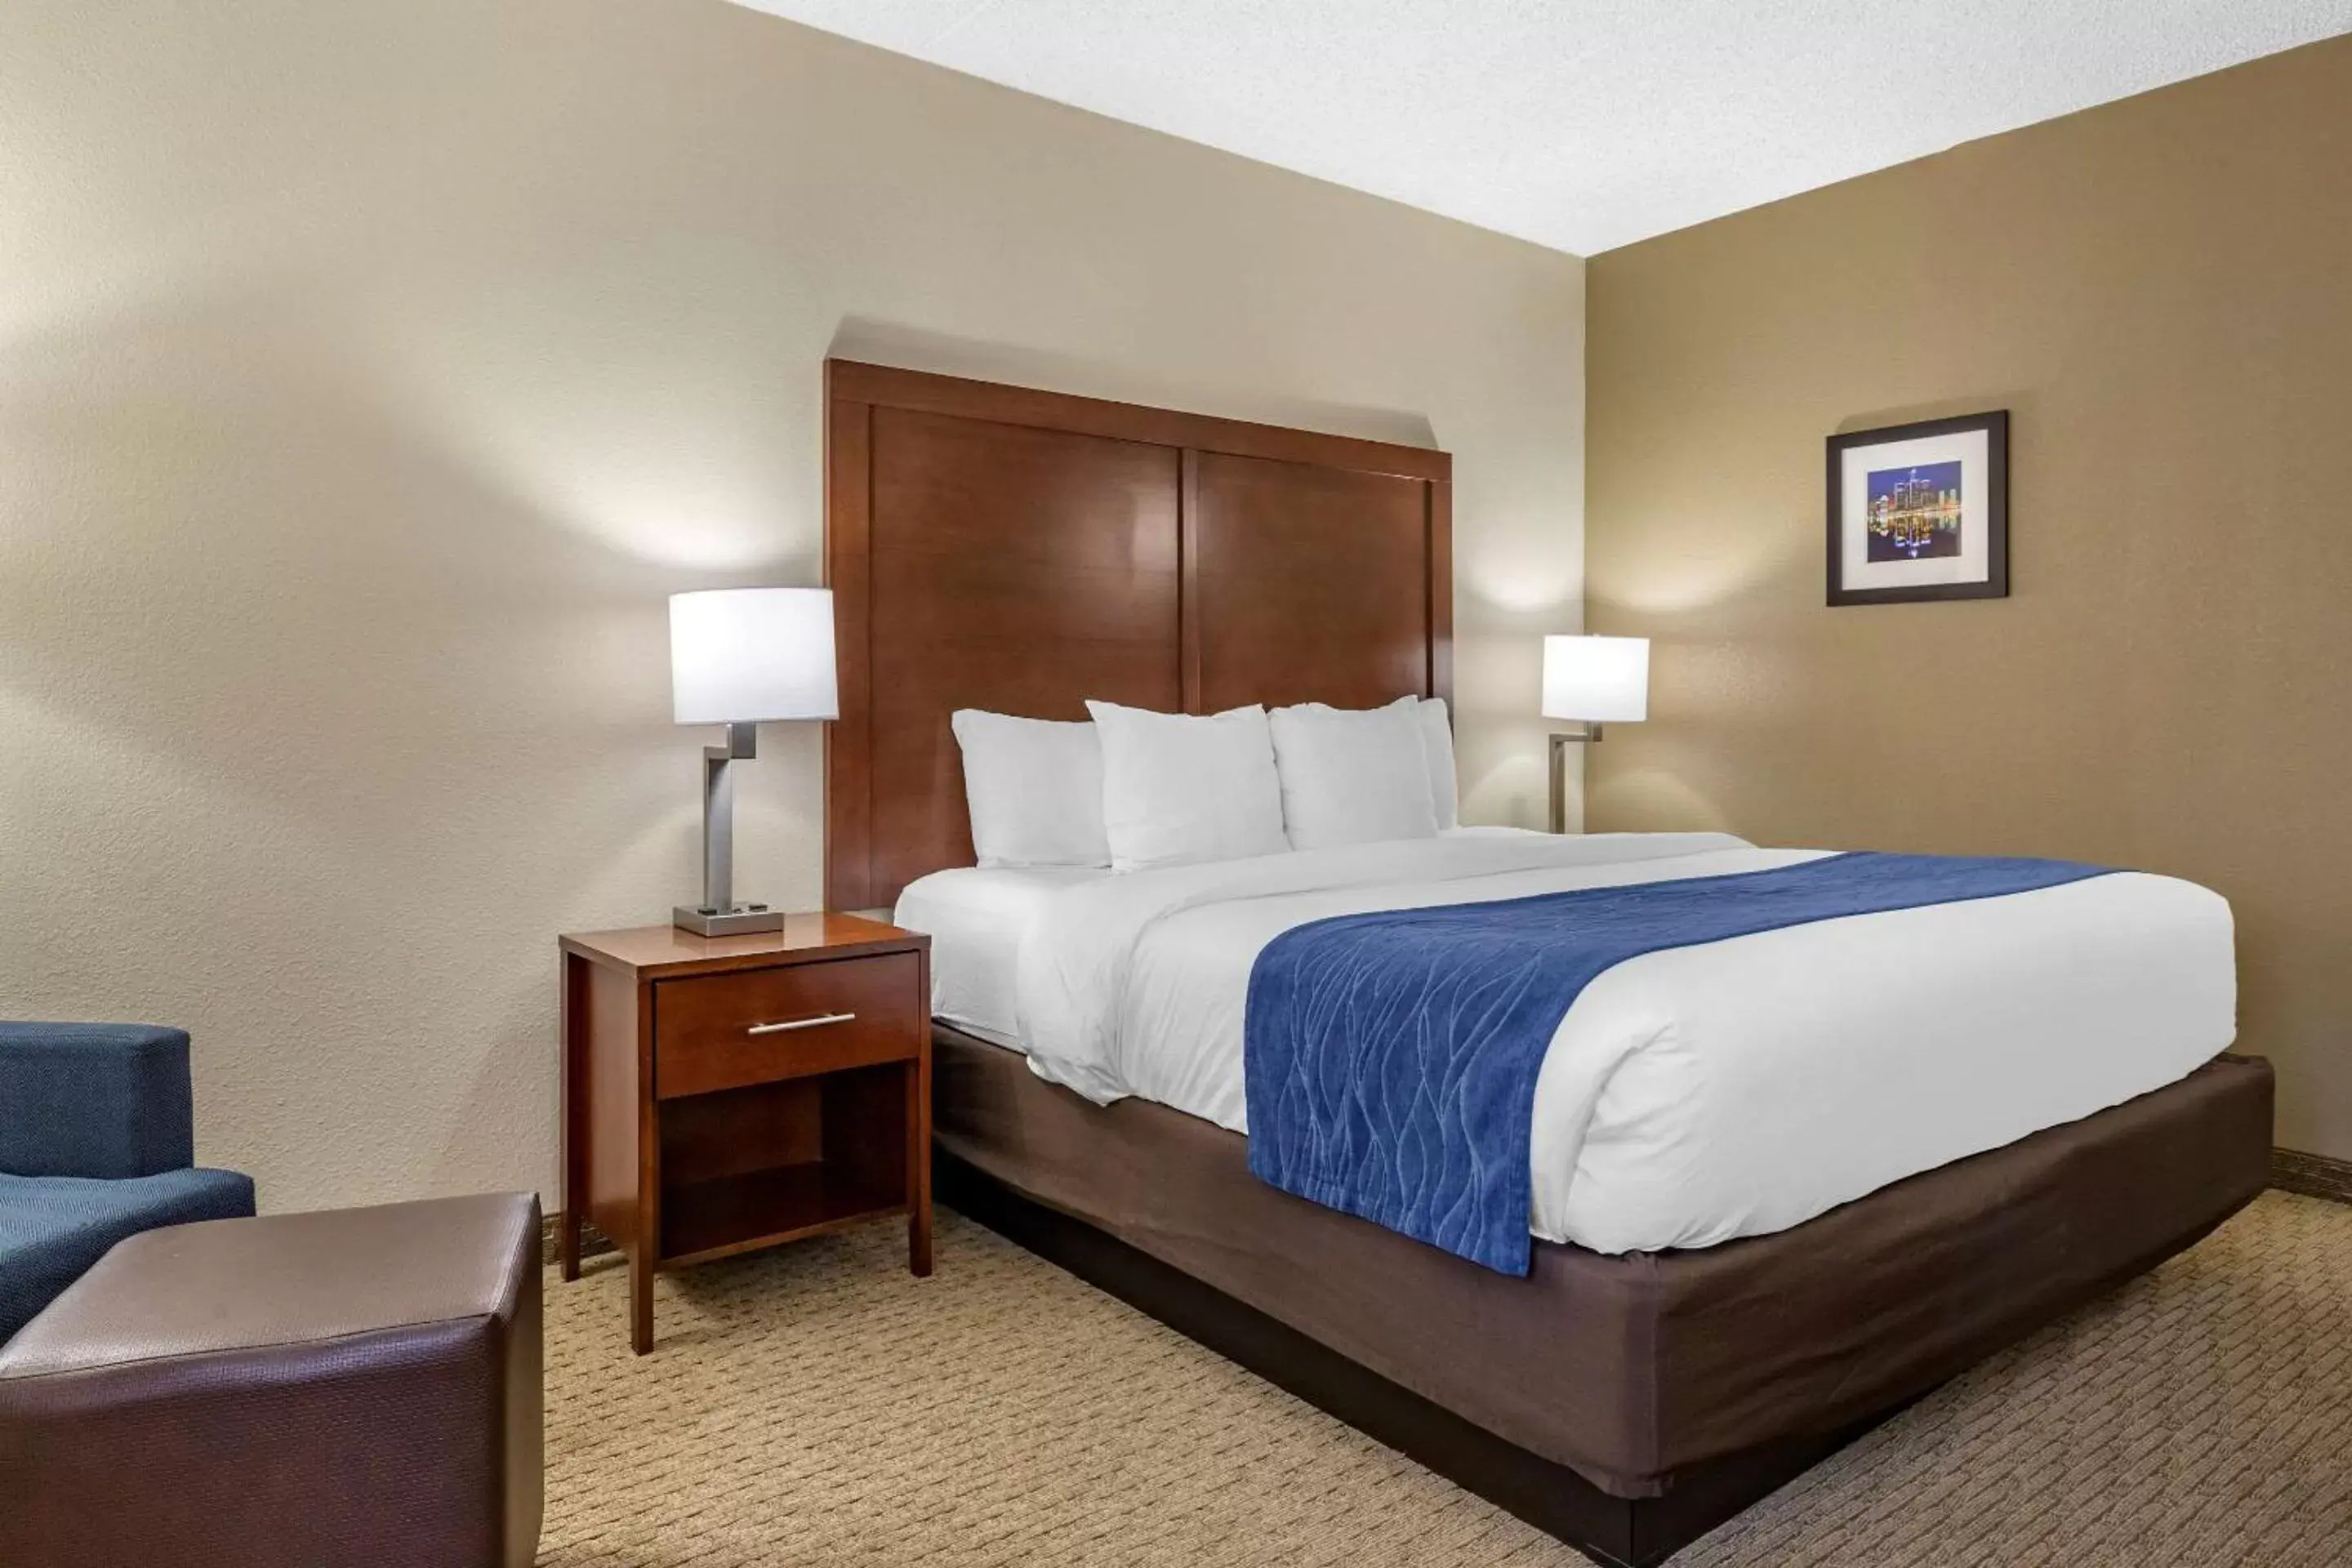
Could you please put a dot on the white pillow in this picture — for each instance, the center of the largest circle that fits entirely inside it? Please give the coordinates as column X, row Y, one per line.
column 1035, row 790
column 1437, row 740
column 1177, row 787
column 1353, row 776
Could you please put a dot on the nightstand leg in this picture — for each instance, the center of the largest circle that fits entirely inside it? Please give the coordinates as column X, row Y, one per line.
column 919, row 1158
column 640, row 1304
column 572, row 1031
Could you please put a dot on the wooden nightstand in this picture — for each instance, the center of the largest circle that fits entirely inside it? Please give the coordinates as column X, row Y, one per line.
column 722, row 1094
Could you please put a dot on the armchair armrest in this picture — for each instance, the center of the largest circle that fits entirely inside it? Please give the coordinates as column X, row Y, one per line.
column 109, row 1100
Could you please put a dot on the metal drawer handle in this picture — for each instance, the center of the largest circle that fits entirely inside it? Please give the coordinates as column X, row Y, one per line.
column 820, row 1019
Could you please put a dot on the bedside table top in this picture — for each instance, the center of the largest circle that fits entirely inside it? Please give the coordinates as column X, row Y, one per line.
column 659, row 952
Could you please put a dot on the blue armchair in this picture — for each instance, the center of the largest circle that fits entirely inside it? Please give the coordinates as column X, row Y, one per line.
column 97, row 1144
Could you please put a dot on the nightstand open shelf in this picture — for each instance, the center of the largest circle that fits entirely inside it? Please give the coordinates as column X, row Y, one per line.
column 820, row 1154
column 724, row 1094
column 728, row 1214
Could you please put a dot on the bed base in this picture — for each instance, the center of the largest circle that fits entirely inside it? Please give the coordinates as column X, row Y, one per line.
column 1625, row 1406
column 1627, row 1533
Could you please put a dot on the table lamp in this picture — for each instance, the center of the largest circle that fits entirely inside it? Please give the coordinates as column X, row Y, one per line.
column 739, row 657
column 1592, row 681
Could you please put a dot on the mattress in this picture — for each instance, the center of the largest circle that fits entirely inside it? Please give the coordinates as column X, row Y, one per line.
column 1691, row 1096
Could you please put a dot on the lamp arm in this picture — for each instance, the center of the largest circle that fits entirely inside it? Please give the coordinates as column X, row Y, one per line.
column 719, row 814
column 1560, row 741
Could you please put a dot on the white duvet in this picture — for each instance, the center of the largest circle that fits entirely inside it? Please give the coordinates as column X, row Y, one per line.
column 1692, row 1095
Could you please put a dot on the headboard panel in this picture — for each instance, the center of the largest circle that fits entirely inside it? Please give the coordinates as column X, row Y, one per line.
column 1000, row 547
column 1314, row 584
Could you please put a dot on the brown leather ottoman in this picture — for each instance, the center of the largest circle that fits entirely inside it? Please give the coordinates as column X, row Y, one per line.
column 351, row 1387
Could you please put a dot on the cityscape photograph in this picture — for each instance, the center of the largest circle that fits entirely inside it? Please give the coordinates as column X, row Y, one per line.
column 1914, row 514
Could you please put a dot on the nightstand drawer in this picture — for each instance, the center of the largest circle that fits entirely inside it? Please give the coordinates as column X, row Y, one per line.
column 758, row 1025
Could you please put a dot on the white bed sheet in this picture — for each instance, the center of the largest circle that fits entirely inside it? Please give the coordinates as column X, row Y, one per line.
column 1690, row 1096
column 976, row 917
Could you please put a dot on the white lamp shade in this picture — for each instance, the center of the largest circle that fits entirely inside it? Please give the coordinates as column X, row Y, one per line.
column 737, row 656
column 1602, row 680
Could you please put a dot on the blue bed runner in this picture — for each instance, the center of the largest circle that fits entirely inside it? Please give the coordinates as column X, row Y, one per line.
column 1390, row 1057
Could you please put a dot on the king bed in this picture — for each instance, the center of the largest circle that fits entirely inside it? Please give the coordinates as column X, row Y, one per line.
column 1767, row 1190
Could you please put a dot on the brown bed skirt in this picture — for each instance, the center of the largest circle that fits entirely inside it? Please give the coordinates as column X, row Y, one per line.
column 1629, row 1369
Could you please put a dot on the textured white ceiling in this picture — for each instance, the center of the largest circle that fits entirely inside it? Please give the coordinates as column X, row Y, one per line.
column 1580, row 124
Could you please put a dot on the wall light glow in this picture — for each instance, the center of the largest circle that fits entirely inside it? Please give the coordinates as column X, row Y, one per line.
column 1737, row 560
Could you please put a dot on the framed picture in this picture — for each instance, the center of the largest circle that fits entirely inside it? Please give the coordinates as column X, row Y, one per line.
column 1920, row 512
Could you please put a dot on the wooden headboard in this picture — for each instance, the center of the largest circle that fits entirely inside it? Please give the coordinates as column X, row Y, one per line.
column 1003, row 548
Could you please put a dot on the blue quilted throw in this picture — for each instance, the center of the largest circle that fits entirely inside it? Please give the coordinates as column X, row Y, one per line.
column 1390, row 1057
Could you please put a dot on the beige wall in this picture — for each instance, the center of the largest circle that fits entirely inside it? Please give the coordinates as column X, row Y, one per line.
column 2160, row 291
column 370, row 372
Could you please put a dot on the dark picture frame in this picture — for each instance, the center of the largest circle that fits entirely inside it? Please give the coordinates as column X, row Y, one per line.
column 1991, row 514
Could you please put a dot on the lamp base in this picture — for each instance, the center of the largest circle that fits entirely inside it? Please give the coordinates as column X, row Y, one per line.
column 737, row 919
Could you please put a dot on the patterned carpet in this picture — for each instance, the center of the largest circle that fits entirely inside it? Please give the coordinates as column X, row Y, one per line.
column 818, row 1406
